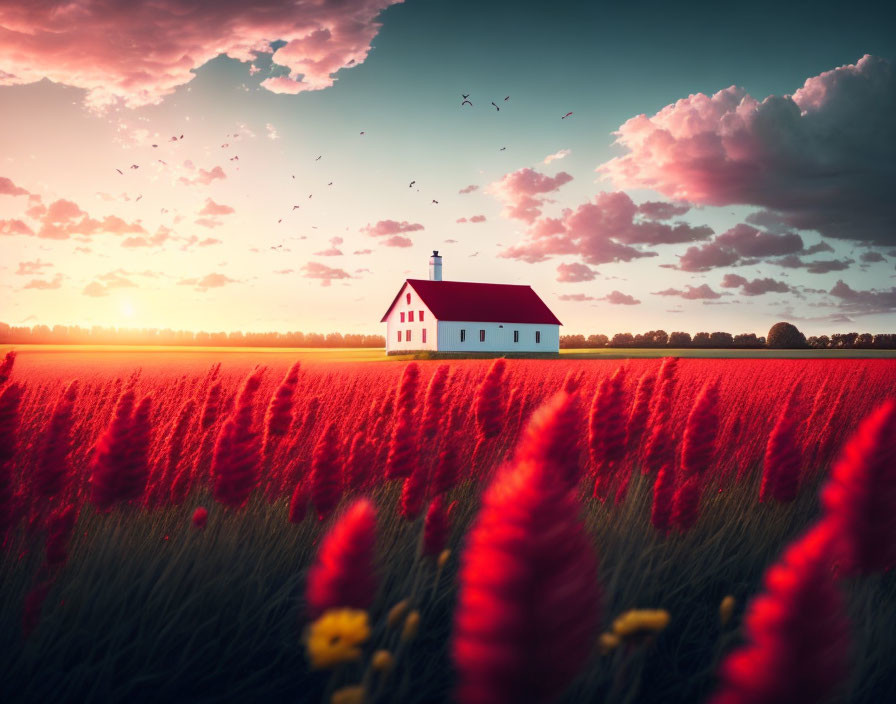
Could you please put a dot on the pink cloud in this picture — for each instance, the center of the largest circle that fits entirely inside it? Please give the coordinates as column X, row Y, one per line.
column 8, row 188
column 468, row 189
column 62, row 210
column 864, row 302
column 690, row 292
column 210, row 223
column 162, row 235
column 738, row 242
column 212, row 208
column 326, row 274
column 756, row 287
column 571, row 273
column 42, row 285
column 204, row 177
column 575, row 297
column 15, row 227
column 208, row 242
column 95, row 290
column 601, row 231
column 29, row 268
column 474, row 218
column 391, row 227
column 142, row 55
column 819, row 159
column 661, row 210
column 363, row 251
column 397, row 241
column 617, row 298
column 522, row 192
column 208, row 281
column 562, row 154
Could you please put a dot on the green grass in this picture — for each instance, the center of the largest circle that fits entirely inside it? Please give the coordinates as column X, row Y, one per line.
column 150, row 610
column 355, row 354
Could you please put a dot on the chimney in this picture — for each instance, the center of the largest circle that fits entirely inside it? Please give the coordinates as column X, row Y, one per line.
column 435, row 266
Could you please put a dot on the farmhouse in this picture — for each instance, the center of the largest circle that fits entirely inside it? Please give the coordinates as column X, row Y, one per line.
column 460, row 316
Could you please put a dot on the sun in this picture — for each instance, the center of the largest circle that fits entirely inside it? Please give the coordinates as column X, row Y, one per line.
column 127, row 309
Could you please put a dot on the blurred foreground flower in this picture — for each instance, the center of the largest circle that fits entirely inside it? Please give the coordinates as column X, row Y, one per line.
column 382, row 661
column 348, row 695
column 637, row 622
column 726, row 609
column 607, row 643
column 200, row 518
column 334, row 637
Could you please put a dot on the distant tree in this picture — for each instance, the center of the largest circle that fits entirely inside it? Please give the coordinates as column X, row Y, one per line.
column 785, row 336
column 680, row 339
column 721, row 339
column 884, row 342
column 622, row 339
column 597, row 341
column 702, row 339
column 864, row 341
column 746, row 339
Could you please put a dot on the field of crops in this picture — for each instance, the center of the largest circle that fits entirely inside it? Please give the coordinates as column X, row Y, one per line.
column 200, row 528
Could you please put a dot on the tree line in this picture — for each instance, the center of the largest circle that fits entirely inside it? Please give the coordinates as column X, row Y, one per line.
column 660, row 338
column 99, row 335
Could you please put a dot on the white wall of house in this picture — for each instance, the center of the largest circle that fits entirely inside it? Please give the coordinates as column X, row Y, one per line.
column 498, row 337
column 414, row 328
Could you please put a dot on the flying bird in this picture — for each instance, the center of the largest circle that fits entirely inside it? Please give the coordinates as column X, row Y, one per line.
column 139, row 197
column 310, row 194
column 496, row 107
column 134, row 166
column 173, row 139
column 351, row 62
column 234, row 158
column 120, row 171
column 154, row 146
column 181, row 137
column 465, row 96
column 293, row 175
column 295, row 206
column 566, row 115
column 163, row 162
column 507, row 98
column 502, row 149
column 362, row 133
column 330, row 183
column 225, row 145
column 318, row 158
column 435, row 201
column 474, row 254
column 466, row 102
column 279, row 221
column 411, row 184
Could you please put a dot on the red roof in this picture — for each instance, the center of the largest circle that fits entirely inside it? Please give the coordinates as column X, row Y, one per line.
column 486, row 303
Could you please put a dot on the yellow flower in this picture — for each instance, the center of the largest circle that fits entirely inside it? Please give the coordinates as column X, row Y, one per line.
column 396, row 613
column 348, row 695
column 607, row 643
column 382, row 661
column 335, row 637
column 726, row 609
column 640, row 622
column 411, row 626
column 443, row 557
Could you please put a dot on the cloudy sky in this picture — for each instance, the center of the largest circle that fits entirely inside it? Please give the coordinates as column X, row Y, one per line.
column 284, row 165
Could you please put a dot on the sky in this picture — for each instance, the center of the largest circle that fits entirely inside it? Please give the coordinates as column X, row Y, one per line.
column 269, row 165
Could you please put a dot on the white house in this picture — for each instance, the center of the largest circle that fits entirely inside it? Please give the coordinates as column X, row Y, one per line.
column 460, row 316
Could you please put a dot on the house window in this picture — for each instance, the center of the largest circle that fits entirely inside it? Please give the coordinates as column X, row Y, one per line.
column 409, row 298
column 410, row 316
column 424, row 335
column 408, row 335
column 482, row 335
column 463, row 335
column 537, row 336
column 516, row 335
column 421, row 316
column 399, row 335
column 402, row 317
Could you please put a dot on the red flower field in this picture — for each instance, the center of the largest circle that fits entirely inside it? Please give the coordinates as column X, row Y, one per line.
column 181, row 527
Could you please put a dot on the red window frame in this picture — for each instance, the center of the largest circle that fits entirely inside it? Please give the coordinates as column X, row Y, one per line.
column 421, row 316
column 482, row 335
column 410, row 316
column 402, row 316
column 424, row 335
column 409, row 298
column 399, row 335
column 408, row 335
